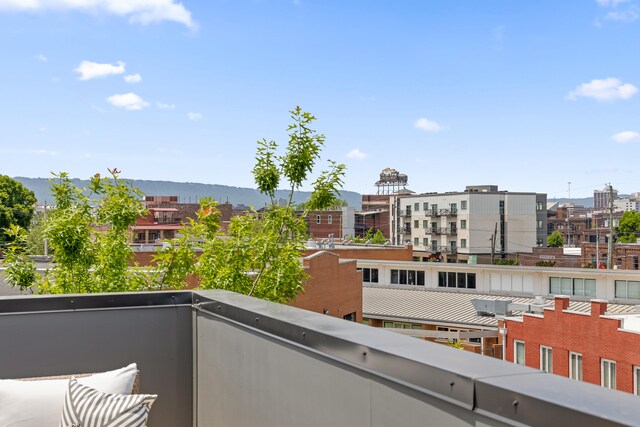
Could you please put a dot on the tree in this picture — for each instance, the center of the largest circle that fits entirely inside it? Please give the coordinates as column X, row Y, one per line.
column 555, row 240
column 89, row 242
column 261, row 254
column 16, row 205
column 628, row 228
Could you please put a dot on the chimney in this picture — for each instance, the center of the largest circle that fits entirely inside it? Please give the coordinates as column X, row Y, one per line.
column 598, row 307
column 561, row 302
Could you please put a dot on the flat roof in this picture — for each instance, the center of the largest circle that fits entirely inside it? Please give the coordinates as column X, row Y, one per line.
column 440, row 306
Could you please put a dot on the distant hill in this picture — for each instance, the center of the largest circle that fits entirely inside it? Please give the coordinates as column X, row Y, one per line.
column 189, row 192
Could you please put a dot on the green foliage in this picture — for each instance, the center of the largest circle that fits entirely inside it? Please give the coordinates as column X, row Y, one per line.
column 376, row 238
column 628, row 229
column 35, row 236
column 335, row 206
column 260, row 255
column 21, row 270
column 16, row 205
column 500, row 261
column 90, row 243
column 555, row 240
column 455, row 344
column 545, row 263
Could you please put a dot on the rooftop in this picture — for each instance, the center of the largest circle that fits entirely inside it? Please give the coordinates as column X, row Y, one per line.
column 221, row 359
column 451, row 307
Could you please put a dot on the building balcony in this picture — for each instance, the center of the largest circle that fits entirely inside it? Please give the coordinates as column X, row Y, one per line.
column 441, row 212
column 406, row 212
column 406, row 229
column 217, row 358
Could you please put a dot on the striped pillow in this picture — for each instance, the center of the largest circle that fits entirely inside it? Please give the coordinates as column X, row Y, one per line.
column 87, row 407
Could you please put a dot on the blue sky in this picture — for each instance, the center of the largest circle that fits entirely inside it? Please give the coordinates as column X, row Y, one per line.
column 525, row 95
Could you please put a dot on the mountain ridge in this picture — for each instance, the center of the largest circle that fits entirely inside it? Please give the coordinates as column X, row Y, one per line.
column 188, row 192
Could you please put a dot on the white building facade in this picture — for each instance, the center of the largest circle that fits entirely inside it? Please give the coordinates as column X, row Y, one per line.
column 463, row 225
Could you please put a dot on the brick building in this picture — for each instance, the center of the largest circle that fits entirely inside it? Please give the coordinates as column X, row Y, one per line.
column 626, row 256
column 334, row 287
column 598, row 347
column 375, row 215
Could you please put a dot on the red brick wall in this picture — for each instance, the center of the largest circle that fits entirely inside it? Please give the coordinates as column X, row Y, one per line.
column 333, row 288
column 592, row 336
column 322, row 230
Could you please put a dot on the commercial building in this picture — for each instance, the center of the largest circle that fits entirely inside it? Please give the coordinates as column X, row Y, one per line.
column 599, row 347
column 466, row 226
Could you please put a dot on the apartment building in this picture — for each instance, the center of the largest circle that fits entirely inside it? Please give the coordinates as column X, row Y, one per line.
column 462, row 226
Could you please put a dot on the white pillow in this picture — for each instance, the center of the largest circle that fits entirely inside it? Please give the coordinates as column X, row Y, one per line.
column 39, row 403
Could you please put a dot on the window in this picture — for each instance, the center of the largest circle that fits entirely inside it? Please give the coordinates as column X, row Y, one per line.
column 330, row 219
column 608, row 373
column 425, row 242
column 425, row 206
column 539, row 242
column 463, row 205
column 539, row 224
column 416, row 223
column 400, row 325
column 546, row 359
column 318, row 220
column 627, row 289
column 425, row 224
column 575, row 286
column 539, row 206
column 456, row 280
column 416, row 207
column 407, row 277
column 370, row 275
column 636, row 380
column 350, row 317
column 365, row 322
column 434, row 209
column 463, row 224
column 454, row 208
column 518, row 352
column 463, row 243
column 575, row 366
column 416, row 241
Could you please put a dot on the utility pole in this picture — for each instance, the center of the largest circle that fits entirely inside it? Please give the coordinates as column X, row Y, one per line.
column 610, row 246
column 45, row 240
column 493, row 242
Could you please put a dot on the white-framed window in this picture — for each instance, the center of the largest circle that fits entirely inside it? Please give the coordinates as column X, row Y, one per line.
column 463, row 243
column 425, row 206
column 539, row 206
column 330, row 219
column 416, row 223
column 608, row 373
column 539, row 224
column 425, row 242
column 575, row 366
column 318, row 219
column 416, row 207
column 463, row 205
column 463, row 224
column 546, row 359
column 636, row 380
column 518, row 352
column 416, row 241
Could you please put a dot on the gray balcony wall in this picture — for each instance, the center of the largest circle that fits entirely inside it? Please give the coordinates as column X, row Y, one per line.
column 157, row 338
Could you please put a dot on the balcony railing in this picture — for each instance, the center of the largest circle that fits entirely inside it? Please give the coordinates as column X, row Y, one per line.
column 221, row 359
column 442, row 212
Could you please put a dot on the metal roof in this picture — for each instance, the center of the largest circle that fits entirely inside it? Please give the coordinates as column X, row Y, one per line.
column 447, row 307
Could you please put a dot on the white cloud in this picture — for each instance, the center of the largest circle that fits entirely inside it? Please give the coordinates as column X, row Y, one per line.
column 608, row 89
column 164, row 106
column 139, row 11
column 90, row 70
column 43, row 152
column 626, row 16
column 128, row 101
column 39, row 57
column 194, row 116
column 610, row 3
column 133, row 78
column 626, row 137
column 357, row 154
column 427, row 125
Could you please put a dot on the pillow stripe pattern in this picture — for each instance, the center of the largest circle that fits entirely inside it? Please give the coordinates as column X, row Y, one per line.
column 87, row 407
